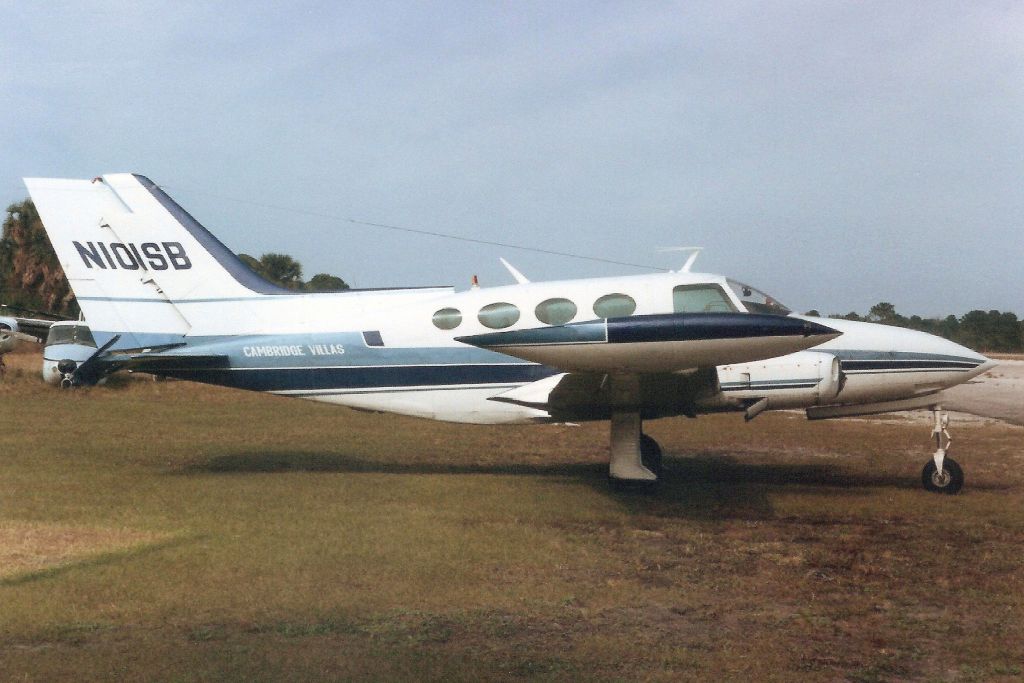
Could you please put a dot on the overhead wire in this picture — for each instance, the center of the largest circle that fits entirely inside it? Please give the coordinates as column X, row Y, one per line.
column 415, row 231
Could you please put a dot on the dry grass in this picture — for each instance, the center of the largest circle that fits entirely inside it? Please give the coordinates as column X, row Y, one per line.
column 281, row 540
column 27, row 548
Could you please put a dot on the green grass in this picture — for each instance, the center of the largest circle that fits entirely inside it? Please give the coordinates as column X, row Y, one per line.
column 245, row 537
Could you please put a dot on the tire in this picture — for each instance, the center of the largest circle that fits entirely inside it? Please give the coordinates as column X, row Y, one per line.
column 949, row 481
column 650, row 454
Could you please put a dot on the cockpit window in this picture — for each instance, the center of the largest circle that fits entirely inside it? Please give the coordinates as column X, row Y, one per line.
column 700, row 299
column 70, row 334
column 756, row 301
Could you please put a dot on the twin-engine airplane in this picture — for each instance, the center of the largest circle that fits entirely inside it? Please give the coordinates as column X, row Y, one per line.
column 163, row 295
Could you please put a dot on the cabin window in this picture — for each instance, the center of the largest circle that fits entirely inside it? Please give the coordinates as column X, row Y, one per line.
column 447, row 318
column 614, row 306
column 555, row 311
column 700, row 299
column 499, row 315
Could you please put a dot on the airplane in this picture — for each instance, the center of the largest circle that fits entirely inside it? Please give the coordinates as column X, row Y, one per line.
column 163, row 295
column 68, row 345
column 14, row 329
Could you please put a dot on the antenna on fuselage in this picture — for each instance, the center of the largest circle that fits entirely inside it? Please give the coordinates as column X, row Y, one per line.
column 689, row 261
column 519, row 277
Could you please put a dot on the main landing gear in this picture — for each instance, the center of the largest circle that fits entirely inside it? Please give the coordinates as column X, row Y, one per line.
column 635, row 456
column 942, row 474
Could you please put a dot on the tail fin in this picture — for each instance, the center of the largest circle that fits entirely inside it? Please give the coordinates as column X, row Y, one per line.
column 135, row 258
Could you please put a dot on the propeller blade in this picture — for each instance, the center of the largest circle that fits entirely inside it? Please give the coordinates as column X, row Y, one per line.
column 86, row 366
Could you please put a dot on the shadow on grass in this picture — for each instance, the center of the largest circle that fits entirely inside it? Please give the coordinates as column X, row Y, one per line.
column 300, row 461
column 704, row 468
column 704, row 485
column 98, row 560
column 717, row 484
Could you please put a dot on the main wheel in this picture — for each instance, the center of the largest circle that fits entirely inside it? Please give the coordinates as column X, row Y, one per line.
column 950, row 480
column 650, row 454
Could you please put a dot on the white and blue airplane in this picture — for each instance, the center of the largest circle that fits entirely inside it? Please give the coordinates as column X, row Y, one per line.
column 162, row 295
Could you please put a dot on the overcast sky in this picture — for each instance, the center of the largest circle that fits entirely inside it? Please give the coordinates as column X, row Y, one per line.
column 833, row 154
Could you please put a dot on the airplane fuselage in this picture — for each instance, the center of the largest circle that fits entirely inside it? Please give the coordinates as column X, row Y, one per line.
column 390, row 351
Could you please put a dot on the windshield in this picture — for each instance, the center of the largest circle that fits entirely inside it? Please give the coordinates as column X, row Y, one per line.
column 756, row 301
column 70, row 334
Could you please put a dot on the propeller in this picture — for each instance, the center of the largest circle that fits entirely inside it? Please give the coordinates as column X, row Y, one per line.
column 85, row 368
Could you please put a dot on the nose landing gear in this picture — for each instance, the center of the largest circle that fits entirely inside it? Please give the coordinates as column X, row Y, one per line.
column 942, row 474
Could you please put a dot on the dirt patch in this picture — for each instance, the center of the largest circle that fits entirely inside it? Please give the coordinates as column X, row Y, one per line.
column 33, row 546
column 999, row 393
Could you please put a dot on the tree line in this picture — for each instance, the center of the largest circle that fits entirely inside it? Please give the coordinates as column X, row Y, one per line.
column 993, row 330
column 31, row 276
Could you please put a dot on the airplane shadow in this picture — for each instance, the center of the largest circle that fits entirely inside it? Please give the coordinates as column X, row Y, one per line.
column 703, row 485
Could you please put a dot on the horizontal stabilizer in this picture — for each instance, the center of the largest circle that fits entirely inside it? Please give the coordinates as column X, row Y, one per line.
column 157, row 364
column 159, row 359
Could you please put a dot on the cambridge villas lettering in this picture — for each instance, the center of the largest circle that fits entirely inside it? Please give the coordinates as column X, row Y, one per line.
column 147, row 256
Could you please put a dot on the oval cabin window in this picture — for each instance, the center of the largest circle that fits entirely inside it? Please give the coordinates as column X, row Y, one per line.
column 499, row 315
column 614, row 306
column 555, row 311
column 447, row 318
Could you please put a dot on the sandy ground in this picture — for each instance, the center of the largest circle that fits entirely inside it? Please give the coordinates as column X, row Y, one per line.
column 999, row 393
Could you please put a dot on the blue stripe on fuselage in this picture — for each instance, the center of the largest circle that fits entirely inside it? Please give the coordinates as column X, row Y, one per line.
column 396, row 376
column 342, row 360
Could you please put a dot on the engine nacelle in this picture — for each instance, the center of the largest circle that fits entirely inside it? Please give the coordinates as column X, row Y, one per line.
column 8, row 335
column 798, row 380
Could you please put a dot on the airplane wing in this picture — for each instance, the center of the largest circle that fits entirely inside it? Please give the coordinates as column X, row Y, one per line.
column 671, row 342
column 27, row 329
column 672, row 356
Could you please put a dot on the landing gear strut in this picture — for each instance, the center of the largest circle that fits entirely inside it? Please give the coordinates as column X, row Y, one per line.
column 942, row 474
column 636, row 457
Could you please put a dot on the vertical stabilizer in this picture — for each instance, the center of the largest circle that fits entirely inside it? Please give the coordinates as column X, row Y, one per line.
column 136, row 260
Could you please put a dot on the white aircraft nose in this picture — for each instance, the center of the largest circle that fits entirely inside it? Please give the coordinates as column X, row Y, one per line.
column 986, row 362
column 935, row 361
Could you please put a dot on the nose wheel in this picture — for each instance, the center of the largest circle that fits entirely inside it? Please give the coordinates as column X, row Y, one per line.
column 942, row 474
column 950, row 479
